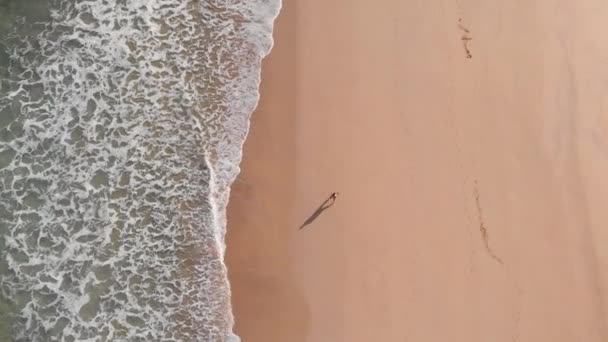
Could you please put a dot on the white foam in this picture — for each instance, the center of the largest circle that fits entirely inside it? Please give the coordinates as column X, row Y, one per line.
column 161, row 90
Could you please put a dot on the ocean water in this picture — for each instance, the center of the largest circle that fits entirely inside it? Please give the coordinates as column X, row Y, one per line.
column 121, row 130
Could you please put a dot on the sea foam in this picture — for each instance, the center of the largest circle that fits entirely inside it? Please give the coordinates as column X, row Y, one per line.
column 122, row 124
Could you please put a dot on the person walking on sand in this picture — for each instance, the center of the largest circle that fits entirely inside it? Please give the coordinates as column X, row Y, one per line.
column 325, row 205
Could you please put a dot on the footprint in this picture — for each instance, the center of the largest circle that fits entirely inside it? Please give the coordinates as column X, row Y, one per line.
column 465, row 39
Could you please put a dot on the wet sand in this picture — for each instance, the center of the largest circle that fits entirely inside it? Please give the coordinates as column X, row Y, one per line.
column 469, row 142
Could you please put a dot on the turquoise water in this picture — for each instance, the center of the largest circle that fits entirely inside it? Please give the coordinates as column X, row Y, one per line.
column 121, row 128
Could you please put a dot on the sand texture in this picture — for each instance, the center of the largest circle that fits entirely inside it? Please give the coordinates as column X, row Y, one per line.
column 469, row 142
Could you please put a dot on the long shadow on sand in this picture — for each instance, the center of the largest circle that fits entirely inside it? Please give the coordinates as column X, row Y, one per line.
column 325, row 205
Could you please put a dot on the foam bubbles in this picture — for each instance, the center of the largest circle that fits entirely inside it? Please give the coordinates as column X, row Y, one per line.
column 124, row 127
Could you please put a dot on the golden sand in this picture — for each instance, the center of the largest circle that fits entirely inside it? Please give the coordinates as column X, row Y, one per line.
column 469, row 142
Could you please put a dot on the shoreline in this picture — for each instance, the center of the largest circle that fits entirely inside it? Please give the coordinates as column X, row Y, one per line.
column 470, row 176
column 263, row 288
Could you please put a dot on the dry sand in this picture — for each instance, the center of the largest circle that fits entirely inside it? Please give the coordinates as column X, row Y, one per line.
column 473, row 190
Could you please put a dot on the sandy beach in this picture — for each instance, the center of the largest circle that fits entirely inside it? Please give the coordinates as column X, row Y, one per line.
column 469, row 143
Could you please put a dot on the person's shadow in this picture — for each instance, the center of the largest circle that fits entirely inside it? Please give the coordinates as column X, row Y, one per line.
column 325, row 205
